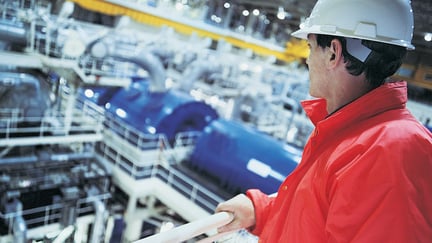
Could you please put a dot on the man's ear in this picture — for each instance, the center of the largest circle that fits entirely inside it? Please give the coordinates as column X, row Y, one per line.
column 335, row 53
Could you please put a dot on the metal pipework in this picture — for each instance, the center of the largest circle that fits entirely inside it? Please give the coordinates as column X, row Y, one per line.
column 100, row 213
column 19, row 229
column 99, row 222
column 14, row 207
column 197, row 70
column 145, row 58
column 14, row 32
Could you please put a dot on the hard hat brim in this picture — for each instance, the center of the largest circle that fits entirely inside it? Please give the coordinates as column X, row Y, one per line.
column 303, row 33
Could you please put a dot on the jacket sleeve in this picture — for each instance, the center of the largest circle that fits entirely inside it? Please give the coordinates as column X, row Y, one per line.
column 383, row 195
column 262, row 206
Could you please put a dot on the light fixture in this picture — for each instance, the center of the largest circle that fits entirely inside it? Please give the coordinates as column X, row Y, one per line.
column 89, row 93
column 428, row 37
column 281, row 13
column 121, row 113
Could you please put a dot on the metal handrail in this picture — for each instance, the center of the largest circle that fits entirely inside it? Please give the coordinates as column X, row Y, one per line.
column 48, row 214
column 191, row 230
column 87, row 118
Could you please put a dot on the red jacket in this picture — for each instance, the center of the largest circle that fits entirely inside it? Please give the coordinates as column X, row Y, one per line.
column 365, row 176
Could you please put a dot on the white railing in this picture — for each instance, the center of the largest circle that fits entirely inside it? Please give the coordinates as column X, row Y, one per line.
column 46, row 215
column 191, row 230
column 86, row 118
column 128, row 149
column 133, row 136
column 144, row 156
column 169, row 175
column 203, row 230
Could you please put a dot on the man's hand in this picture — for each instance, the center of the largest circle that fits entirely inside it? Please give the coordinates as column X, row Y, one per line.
column 242, row 209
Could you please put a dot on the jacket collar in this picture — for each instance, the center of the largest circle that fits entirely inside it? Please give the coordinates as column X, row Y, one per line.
column 386, row 97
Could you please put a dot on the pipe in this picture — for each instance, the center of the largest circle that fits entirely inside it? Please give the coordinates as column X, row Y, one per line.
column 146, row 59
column 64, row 234
column 190, row 230
column 155, row 68
column 70, row 196
column 66, row 10
column 20, row 229
column 197, row 70
column 71, row 156
column 54, row 157
column 98, row 225
column 19, row 226
column 19, row 160
column 18, row 79
column 16, row 33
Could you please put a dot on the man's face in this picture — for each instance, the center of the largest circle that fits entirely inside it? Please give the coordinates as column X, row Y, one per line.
column 317, row 70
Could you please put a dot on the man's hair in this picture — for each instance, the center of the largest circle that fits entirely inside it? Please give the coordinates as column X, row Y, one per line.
column 383, row 61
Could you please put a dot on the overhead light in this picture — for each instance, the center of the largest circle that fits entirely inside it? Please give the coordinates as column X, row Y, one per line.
column 89, row 93
column 121, row 113
column 256, row 12
column 428, row 37
column 245, row 12
column 281, row 13
column 227, row 5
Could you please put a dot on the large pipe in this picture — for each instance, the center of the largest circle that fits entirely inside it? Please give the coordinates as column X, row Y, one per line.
column 70, row 196
column 12, row 32
column 99, row 222
column 197, row 70
column 20, row 229
column 66, row 10
column 18, row 160
column 14, row 207
column 146, row 59
column 64, row 234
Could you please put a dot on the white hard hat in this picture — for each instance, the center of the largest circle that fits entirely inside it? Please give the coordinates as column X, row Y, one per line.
column 387, row 21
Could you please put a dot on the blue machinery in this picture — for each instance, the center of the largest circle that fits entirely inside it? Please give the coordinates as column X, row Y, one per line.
column 168, row 112
column 238, row 156
column 242, row 157
column 46, row 128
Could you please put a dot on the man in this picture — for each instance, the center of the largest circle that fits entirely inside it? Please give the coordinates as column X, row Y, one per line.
column 366, row 170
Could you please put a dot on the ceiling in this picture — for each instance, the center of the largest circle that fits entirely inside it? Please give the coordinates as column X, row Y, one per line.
column 299, row 9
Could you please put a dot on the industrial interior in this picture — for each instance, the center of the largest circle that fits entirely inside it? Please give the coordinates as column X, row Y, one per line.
column 123, row 119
